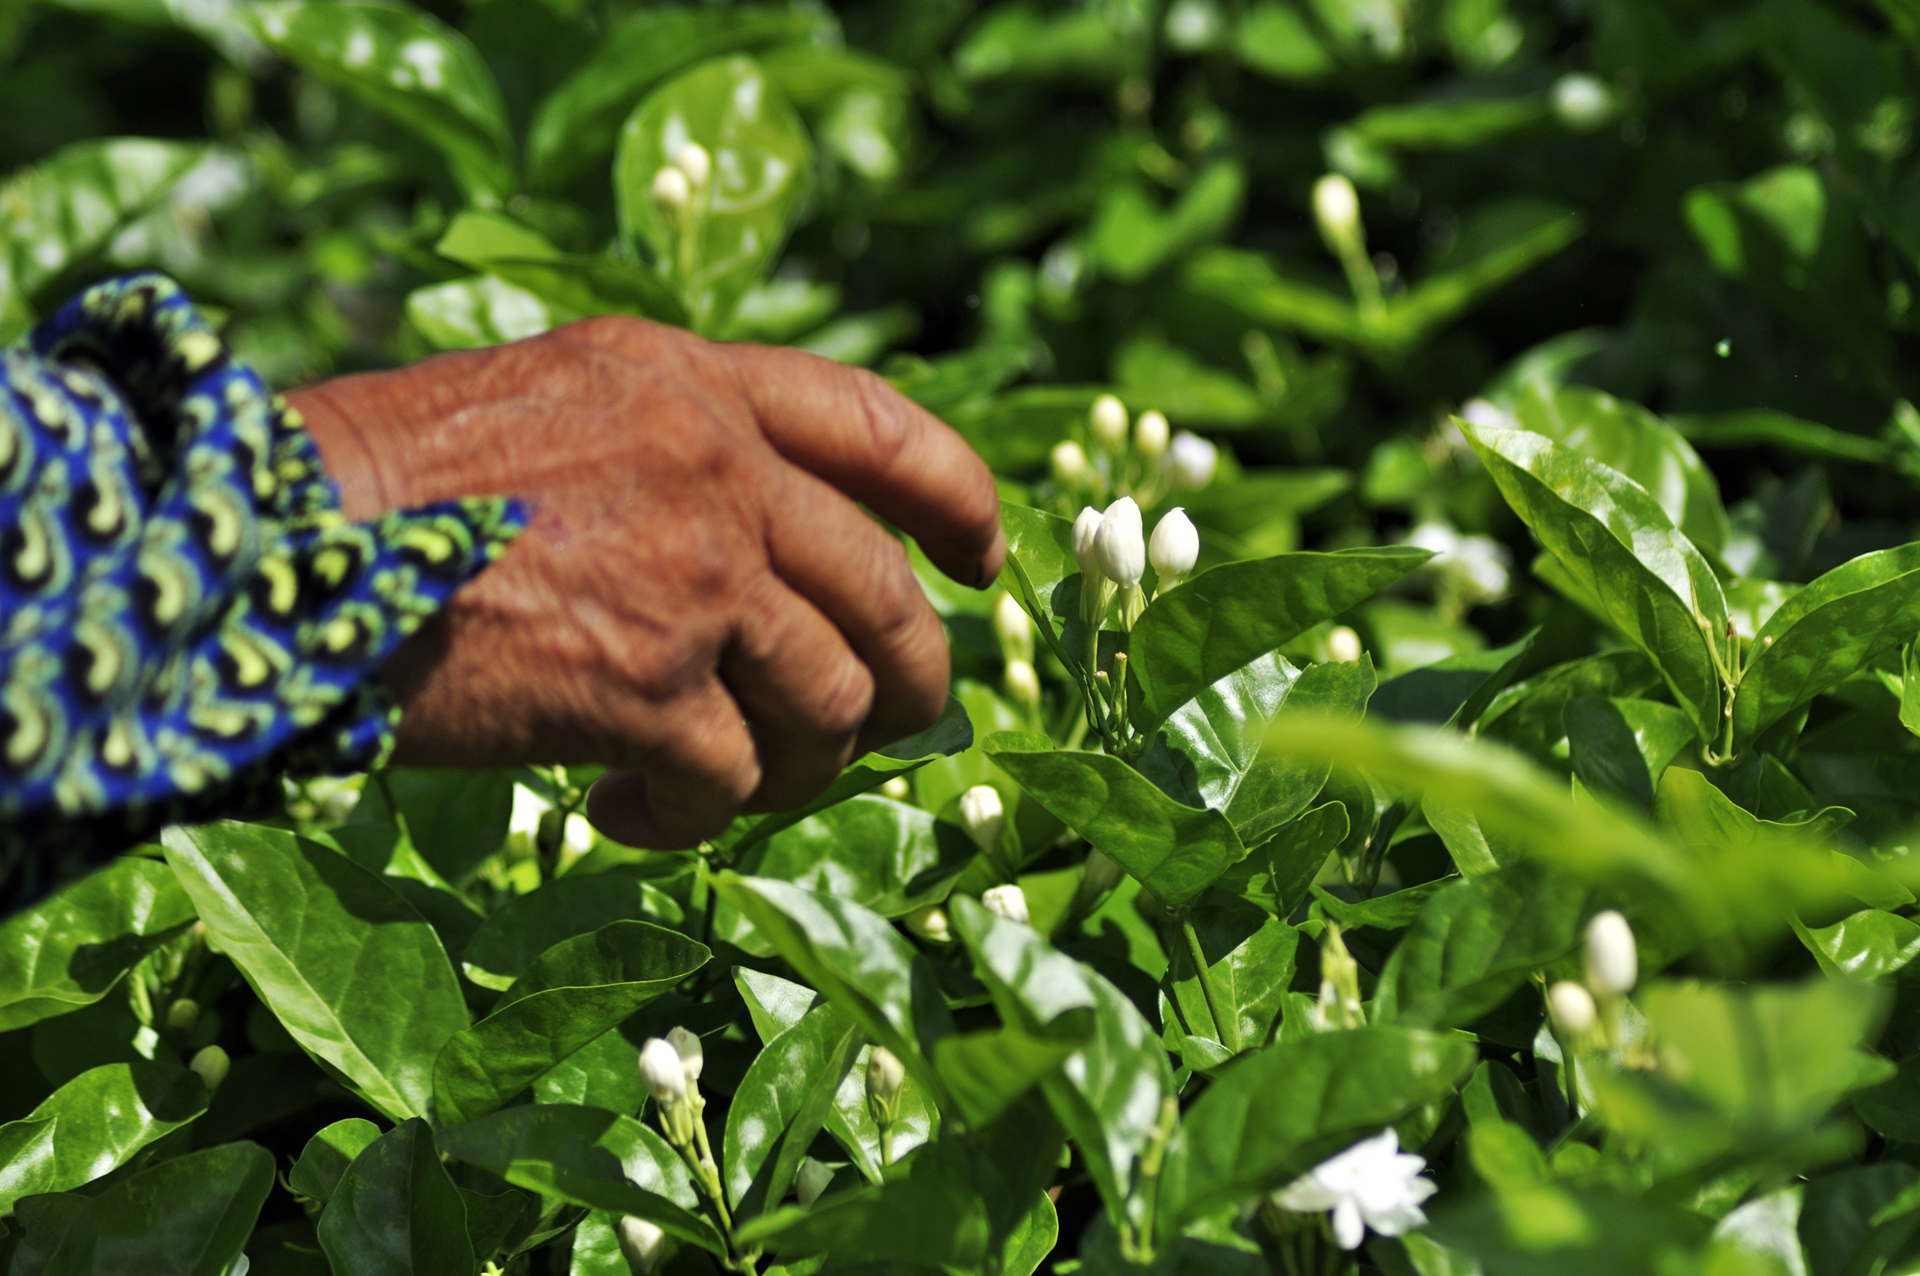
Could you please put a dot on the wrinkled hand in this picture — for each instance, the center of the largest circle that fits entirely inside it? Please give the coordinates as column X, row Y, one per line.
column 698, row 602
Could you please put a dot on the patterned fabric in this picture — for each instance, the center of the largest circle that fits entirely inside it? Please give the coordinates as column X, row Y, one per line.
column 185, row 614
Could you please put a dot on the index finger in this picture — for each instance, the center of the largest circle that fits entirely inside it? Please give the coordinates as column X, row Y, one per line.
column 860, row 434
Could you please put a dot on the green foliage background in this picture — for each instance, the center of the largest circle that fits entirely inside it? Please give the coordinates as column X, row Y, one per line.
column 1663, row 663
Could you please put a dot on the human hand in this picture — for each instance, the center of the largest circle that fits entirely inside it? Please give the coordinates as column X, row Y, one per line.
column 698, row 602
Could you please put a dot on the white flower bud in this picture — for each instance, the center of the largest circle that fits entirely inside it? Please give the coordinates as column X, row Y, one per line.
column 983, row 816
column 1175, row 547
column 1191, row 461
column 1109, row 420
column 662, row 1071
column 183, row 1014
column 693, row 160
column 211, row 1065
column 1343, row 644
column 640, row 1243
column 811, row 1181
column 1013, row 628
column 885, row 1075
column 1070, row 464
column 1007, row 901
column 931, row 924
column 1582, row 102
column 692, row 1057
column 1121, row 545
column 1613, row 963
column 1336, row 206
column 671, row 190
column 1086, row 528
column 1150, row 435
column 1023, row 683
column 1572, row 1008
column 897, row 788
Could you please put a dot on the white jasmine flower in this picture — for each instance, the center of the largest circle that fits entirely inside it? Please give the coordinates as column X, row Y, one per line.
column 1070, row 464
column 1582, row 102
column 1613, row 961
column 1007, row 901
column 1108, row 417
column 1150, row 435
column 1012, row 627
column 1371, row 1184
column 671, row 190
column 1121, row 544
column 1175, row 547
column 1343, row 644
column 640, row 1242
column 885, row 1076
column 1488, row 415
column 1191, row 461
column 983, row 815
column 692, row 1058
column 1572, row 1008
column 931, row 924
column 1023, row 683
column 1086, row 528
column 1336, row 206
column 693, row 160
column 1475, row 567
column 661, row 1069
column 897, row 788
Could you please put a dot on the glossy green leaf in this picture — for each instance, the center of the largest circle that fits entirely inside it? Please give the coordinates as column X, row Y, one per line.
column 1479, row 940
column 1196, row 634
column 1208, row 753
column 395, row 1212
column 92, row 1124
column 1530, row 715
column 781, row 1103
column 762, row 162
column 570, row 994
column 1867, row 945
column 1276, row 874
column 1825, row 633
column 577, row 124
column 988, row 1072
column 1282, row 1110
column 1249, row 957
column 1618, row 544
column 1453, row 691
column 1109, row 1092
column 327, row 1156
column 65, row 209
column 189, row 1216
column 324, row 942
column 507, row 943
column 70, row 950
column 456, row 818
column 1620, row 746
column 856, row 958
column 573, row 285
column 412, row 68
column 1039, row 561
column 1175, row 850
column 591, row 1157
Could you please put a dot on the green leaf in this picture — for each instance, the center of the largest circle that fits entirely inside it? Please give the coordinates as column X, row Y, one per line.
column 1620, row 547
column 1039, row 560
column 1154, row 374
column 1208, row 752
column 1249, row 957
column 1110, row 1091
column 1449, row 124
column 507, row 943
column 1282, row 1110
column 188, row 1216
column 1131, row 237
column 1276, row 874
column 92, row 1124
column 781, row 1104
column 1251, row 284
column 573, row 285
column 762, row 162
column 1865, row 946
column 395, row 1212
column 67, row 208
column 856, row 958
column 1749, row 427
column 571, row 994
column 327, row 1156
column 577, row 124
column 1196, row 634
column 470, row 313
column 71, row 950
column 1825, row 633
column 456, row 818
column 1620, row 746
column 1477, row 941
column 1439, row 299
column 347, row 967
column 1628, row 438
column 590, row 1157
column 988, row 1072
column 1176, row 851
column 1275, row 40
column 410, row 67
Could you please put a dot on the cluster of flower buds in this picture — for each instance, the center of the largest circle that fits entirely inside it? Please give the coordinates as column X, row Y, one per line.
column 670, row 1067
column 1612, row 969
column 1015, row 631
column 1132, row 461
column 1113, row 553
column 680, row 187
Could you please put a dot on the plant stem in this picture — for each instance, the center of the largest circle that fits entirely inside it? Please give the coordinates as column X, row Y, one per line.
column 1229, row 1032
column 886, row 1143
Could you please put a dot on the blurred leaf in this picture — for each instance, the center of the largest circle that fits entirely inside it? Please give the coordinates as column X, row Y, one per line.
column 412, row 68
column 573, row 285
column 1865, row 946
column 70, row 950
column 1751, row 426
column 469, row 313
column 1155, row 374
column 1272, row 38
column 762, row 162
column 1447, row 124
column 188, row 1216
column 461, row 816
column 395, row 1212
column 328, row 947
column 92, row 1124
column 569, row 995
column 1015, row 41
column 1131, row 237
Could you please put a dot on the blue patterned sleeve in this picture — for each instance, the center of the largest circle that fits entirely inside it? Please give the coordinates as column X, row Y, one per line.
column 185, row 615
